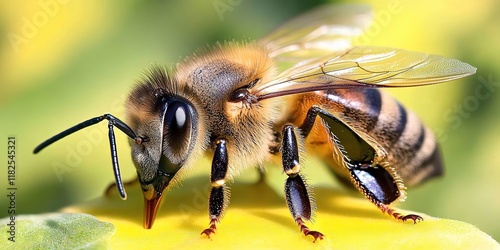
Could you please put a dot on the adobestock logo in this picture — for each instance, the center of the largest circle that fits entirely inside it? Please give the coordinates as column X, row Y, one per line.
column 75, row 153
column 94, row 137
column 199, row 201
column 223, row 6
column 469, row 104
column 31, row 26
column 381, row 19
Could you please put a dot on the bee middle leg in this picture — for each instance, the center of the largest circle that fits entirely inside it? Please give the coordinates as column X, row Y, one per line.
column 298, row 195
column 219, row 194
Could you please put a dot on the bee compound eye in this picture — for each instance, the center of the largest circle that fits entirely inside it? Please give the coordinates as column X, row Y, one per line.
column 180, row 116
column 176, row 117
column 179, row 129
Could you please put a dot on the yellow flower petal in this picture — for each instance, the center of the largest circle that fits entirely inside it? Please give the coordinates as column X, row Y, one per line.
column 258, row 218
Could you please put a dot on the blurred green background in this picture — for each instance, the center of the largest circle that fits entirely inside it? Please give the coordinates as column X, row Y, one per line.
column 62, row 62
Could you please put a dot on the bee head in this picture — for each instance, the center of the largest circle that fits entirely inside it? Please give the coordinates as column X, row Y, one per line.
column 161, row 111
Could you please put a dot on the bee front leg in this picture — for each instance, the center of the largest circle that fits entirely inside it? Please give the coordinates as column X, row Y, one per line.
column 219, row 194
column 298, row 194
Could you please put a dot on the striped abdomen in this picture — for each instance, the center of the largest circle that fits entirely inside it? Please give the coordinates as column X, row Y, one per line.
column 411, row 147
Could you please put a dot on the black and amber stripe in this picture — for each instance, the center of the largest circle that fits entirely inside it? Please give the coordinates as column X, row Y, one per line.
column 411, row 147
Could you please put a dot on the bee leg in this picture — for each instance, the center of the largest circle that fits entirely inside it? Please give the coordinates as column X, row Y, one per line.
column 108, row 191
column 373, row 180
column 377, row 184
column 298, row 194
column 219, row 194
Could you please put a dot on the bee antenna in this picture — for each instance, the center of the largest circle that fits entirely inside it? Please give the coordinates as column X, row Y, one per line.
column 112, row 121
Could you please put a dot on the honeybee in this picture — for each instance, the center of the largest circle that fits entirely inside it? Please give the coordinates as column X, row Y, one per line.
column 303, row 89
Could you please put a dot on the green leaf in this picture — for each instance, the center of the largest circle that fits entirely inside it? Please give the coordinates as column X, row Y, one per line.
column 56, row 231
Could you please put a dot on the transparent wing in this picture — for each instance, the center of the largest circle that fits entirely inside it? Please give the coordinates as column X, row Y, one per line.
column 365, row 67
column 322, row 31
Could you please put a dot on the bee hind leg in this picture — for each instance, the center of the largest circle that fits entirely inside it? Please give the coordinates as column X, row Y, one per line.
column 377, row 184
column 371, row 179
column 219, row 194
column 299, row 196
column 415, row 217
